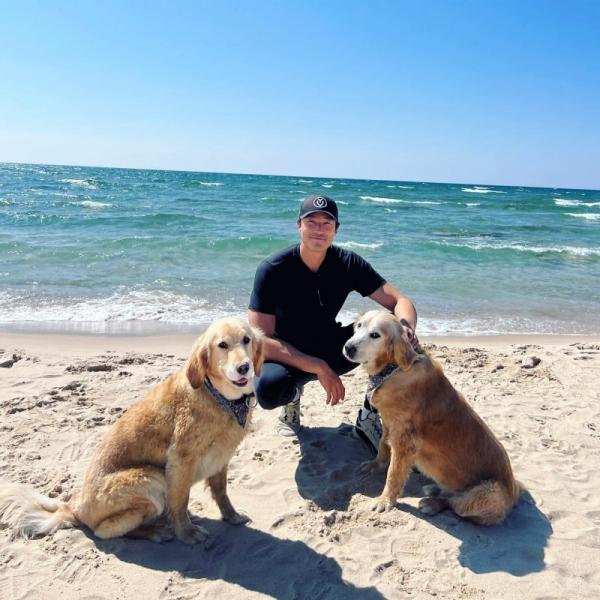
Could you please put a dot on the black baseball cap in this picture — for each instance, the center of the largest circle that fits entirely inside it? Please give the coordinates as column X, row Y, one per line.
column 318, row 204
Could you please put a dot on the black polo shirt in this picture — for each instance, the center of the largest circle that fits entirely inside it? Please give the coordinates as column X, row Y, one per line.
column 306, row 304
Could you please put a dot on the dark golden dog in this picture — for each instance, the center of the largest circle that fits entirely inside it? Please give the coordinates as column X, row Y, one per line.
column 426, row 422
column 185, row 430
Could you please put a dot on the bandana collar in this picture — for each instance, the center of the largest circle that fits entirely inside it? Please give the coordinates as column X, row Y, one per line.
column 376, row 380
column 236, row 408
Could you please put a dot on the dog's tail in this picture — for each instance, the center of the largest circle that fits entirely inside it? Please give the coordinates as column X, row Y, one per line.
column 30, row 513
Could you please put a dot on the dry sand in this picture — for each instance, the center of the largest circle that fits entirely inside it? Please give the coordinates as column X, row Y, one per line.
column 312, row 534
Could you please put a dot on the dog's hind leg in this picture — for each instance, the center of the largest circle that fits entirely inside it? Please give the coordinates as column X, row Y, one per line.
column 125, row 502
column 487, row 503
column 126, row 521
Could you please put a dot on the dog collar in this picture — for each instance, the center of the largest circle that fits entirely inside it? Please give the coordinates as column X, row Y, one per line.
column 376, row 380
column 236, row 408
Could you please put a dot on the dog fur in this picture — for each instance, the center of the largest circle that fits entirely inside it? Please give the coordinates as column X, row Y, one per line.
column 139, row 480
column 426, row 422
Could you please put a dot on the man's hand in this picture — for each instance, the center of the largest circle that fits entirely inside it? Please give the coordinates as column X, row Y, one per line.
column 332, row 384
column 412, row 336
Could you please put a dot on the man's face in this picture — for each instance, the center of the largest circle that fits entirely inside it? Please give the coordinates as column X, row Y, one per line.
column 317, row 231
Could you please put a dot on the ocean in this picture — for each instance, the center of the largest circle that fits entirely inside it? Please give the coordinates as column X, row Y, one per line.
column 128, row 251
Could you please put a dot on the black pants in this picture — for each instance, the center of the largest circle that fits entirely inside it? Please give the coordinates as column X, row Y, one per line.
column 278, row 383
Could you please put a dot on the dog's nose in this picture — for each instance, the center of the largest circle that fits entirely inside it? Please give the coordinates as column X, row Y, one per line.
column 350, row 350
column 243, row 368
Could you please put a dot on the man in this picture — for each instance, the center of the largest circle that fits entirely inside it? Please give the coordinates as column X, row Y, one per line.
column 297, row 295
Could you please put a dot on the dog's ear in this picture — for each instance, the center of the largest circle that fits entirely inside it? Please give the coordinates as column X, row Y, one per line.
column 259, row 349
column 197, row 366
column 404, row 354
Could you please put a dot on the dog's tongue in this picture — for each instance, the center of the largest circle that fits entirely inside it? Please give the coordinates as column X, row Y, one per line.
column 241, row 381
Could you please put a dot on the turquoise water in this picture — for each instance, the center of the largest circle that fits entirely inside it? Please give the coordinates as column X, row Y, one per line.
column 124, row 250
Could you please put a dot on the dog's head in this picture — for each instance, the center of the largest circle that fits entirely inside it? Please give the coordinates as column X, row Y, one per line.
column 230, row 353
column 379, row 339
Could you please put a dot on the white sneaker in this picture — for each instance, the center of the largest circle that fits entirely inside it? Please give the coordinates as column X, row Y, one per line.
column 368, row 428
column 289, row 418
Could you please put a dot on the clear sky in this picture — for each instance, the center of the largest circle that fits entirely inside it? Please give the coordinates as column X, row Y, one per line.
column 504, row 92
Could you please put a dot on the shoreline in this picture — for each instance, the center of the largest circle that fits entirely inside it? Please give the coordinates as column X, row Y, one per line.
column 180, row 343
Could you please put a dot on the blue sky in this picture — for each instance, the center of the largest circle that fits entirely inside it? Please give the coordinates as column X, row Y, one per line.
column 478, row 91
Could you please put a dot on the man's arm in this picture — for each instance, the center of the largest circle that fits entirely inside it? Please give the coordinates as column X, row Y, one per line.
column 389, row 297
column 279, row 351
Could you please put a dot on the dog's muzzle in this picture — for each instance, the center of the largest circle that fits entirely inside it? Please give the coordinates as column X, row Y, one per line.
column 350, row 350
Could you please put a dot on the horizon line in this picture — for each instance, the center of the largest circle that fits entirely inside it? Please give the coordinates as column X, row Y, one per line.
column 541, row 187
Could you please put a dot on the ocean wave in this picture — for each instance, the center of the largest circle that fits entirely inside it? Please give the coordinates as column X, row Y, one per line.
column 87, row 183
column 139, row 305
column 563, row 202
column 380, row 200
column 92, row 204
column 470, row 204
column 574, row 250
column 210, row 183
column 327, row 185
column 481, row 190
column 383, row 200
column 586, row 216
column 305, row 180
column 360, row 245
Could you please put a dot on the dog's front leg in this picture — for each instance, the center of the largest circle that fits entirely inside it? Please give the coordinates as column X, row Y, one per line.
column 401, row 458
column 218, row 487
column 179, row 473
column 382, row 460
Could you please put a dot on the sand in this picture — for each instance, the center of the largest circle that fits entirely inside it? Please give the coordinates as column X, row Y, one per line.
column 313, row 534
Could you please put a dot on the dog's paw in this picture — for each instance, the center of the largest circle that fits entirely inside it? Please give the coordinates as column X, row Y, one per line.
column 431, row 490
column 237, row 518
column 383, row 504
column 192, row 534
column 432, row 506
column 161, row 533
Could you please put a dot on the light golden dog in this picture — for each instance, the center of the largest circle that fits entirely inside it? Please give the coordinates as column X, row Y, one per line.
column 139, row 480
column 426, row 422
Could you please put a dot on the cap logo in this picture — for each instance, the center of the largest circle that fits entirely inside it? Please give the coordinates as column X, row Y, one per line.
column 319, row 202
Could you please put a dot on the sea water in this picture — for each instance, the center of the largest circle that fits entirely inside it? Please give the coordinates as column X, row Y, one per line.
column 98, row 250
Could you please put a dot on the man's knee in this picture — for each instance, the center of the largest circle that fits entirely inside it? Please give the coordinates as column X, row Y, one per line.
column 275, row 387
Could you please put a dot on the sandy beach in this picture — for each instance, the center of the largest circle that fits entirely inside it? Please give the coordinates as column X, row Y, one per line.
column 313, row 534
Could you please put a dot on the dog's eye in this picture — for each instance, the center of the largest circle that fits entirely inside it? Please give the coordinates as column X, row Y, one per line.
column 223, row 345
column 358, row 325
column 246, row 339
column 374, row 335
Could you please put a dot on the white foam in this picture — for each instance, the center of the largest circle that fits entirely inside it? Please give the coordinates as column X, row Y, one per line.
column 389, row 210
column 470, row 204
column 563, row 202
column 481, row 190
column 360, row 245
column 92, row 204
column 210, row 183
column 87, row 183
column 140, row 305
column 381, row 200
column 304, row 180
column 575, row 250
column 327, row 185
column 586, row 216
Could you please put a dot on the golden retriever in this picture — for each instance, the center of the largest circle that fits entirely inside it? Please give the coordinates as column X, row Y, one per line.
column 426, row 422
column 139, row 480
